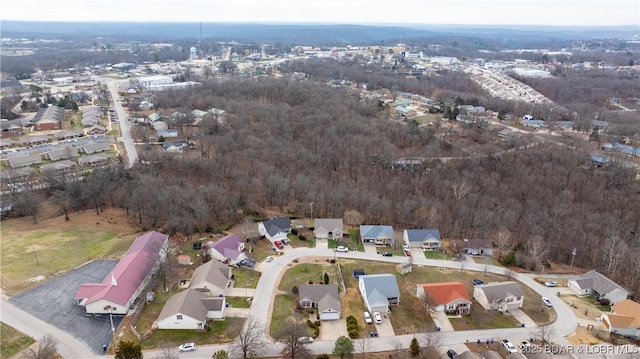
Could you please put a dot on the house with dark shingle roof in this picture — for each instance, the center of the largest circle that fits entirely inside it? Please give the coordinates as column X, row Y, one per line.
column 449, row 297
column 11, row 128
column 597, row 284
column 275, row 229
column 478, row 247
column 190, row 309
column 499, row 295
column 61, row 153
column 58, row 167
column 379, row 291
column 378, row 235
column 99, row 159
column 427, row 239
column 120, row 288
column 213, row 277
column 228, row 249
column 324, row 297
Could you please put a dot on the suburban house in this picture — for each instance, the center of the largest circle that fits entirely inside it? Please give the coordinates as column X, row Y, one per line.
column 212, row 277
column 128, row 279
column 378, row 235
column 499, row 295
column 324, row 297
column 594, row 283
column 624, row 319
column 48, row 119
column 24, row 161
column 58, row 167
column 95, row 130
column 328, row 228
column 94, row 147
column 61, row 153
column 190, row 309
column 175, row 146
column 275, row 229
column 379, row 291
column 449, row 297
column 99, row 159
column 11, row 128
column 427, row 239
column 478, row 247
column 66, row 135
column 6, row 143
column 30, row 141
column 228, row 249
column 91, row 116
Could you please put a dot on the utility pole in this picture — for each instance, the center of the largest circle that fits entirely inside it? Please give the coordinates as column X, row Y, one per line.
column 573, row 255
column 311, row 205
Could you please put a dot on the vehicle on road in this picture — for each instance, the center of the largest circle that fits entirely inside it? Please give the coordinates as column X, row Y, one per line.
column 477, row 282
column 342, row 249
column 187, row 347
column 278, row 244
column 268, row 259
column 377, row 317
column 508, row 346
column 546, row 301
column 451, row 354
column 367, row 318
column 387, row 254
column 305, row 340
column 550, row 283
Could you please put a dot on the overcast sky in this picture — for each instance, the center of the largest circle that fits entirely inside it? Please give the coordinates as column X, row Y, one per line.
column 466, row 12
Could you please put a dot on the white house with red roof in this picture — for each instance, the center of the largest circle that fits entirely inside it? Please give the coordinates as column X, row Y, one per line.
column 449, row 297
column 127, row 280
column 228, row 249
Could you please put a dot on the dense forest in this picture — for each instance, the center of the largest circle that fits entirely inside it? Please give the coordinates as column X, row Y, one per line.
column 288, row 144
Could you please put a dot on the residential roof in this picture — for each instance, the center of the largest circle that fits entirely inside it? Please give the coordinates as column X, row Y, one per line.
column 63, row 152
column 422, row 235
column 56, row 166
column 22, row 161
column 92, row 147
column 469, row 355
column 67, row 134
column 17, row 123
column 192, row 303
column 625, row 314
column 125, row 278
column 328, row 224
column 375, row 231
column 213, row 272
column 275, row 225
column 497, row 291
column 478, row 243
column 598, row 282
column 326, row 295
column 446, row 292
column 198, row 113
column 228, row 246
column 491, row 354
column 384, row 284
column 91, row 159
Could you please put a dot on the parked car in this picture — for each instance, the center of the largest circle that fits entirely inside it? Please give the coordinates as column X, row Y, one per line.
column 407, row 253
column 367, row 318
column 550, row 283
column 187, row 347
column 451, row 354
column 285, row 241
column 268, row 259
column 342, row 249
column 508, row 346
column 305, row 340
column 406, row 247
column 377, row 317
column 387, row 254
column 546, row 301
column 278, row 244
column 477, row 282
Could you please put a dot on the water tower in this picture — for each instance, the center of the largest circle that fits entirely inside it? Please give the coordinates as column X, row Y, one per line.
column 193, row 53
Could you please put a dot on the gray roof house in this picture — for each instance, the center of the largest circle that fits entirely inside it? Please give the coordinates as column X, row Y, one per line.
column 275, row 229
column 478, row 247
column 325, row 297
column 24, row 161
column 428, row 239
column 190, row 309
column 61, row 153
column 213, row 277
column 94, row 160
column 94, row 147
column 379, row 291
column 595, row 283
column 378, row 235
column 499, row 295
column 60, row 166
column 328, row 228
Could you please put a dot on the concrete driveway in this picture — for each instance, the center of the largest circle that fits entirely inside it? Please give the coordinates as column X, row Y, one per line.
column 385, row 329
column 441, row 320
column 53, row 303
column 522, row 317
column 332, row 329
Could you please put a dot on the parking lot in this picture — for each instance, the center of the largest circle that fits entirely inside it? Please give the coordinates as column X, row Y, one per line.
column 53, row 303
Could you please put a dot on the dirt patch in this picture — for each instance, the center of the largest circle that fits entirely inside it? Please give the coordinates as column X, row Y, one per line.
column 584, row 336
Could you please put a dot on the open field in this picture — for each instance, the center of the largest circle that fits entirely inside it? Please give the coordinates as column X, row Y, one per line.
column 12, row 341
column 54, row 245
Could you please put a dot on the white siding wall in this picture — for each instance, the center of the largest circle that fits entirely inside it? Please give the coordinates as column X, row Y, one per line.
column 185, row 323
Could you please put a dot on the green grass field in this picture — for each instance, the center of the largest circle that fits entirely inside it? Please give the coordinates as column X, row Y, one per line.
column 12, row 341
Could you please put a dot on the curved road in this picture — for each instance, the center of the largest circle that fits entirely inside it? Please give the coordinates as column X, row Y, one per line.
column 565, row 324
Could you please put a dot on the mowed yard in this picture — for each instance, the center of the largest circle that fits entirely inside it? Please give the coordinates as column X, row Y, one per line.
column 52, row 246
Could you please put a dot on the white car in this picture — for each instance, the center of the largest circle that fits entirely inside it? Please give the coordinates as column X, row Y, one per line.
column 508, row 346
column 367, row 318
column 377, row 317
column 268, row 259
column 406, row 247
column 305, row 340
column 187, row 347
column 550, row 283
column 342, row 249
column 546, row 301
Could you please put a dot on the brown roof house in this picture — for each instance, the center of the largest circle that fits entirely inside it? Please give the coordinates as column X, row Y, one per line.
column 624, row 319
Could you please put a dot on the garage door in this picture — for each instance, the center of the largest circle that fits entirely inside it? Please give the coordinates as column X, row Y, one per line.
column 329, row 316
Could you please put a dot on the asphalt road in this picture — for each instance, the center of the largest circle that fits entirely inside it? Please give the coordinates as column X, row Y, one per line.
column 262, row 304
column 125, row 131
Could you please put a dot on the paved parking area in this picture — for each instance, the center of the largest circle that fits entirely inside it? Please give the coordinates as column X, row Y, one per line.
column 442, row 321
column 53, row 303
column 385, row 329
column 522, row 317
column 332, row 329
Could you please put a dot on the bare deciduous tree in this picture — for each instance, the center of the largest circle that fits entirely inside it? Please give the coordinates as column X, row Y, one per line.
column 537, row 250
column 45, row 349
column 250, row 339
column 546, row 333
column 503, row 242
column 289, row 333
column 614, row 252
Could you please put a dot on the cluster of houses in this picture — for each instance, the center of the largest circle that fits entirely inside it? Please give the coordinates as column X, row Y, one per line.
column 161, row 124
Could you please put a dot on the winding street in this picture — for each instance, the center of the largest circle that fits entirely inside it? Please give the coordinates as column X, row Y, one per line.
column 262, row 305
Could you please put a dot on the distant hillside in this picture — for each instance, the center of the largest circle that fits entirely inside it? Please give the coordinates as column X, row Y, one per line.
column 311, row 34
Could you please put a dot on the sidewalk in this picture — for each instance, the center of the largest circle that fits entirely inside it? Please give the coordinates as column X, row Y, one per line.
column 240, row 292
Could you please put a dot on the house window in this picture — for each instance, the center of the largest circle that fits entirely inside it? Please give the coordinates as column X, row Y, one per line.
column 179, row 317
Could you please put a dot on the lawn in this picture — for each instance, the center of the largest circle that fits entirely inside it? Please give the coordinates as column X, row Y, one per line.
column 246, row 278
column 238, row 302
column 355, row 240
column 260, row 249
column 535, row 309
column 54, row 245
column 283, row 308
column 295, row 241
column 436, row 255
column 12, row 341
column 304, row 273
column 483, row 319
